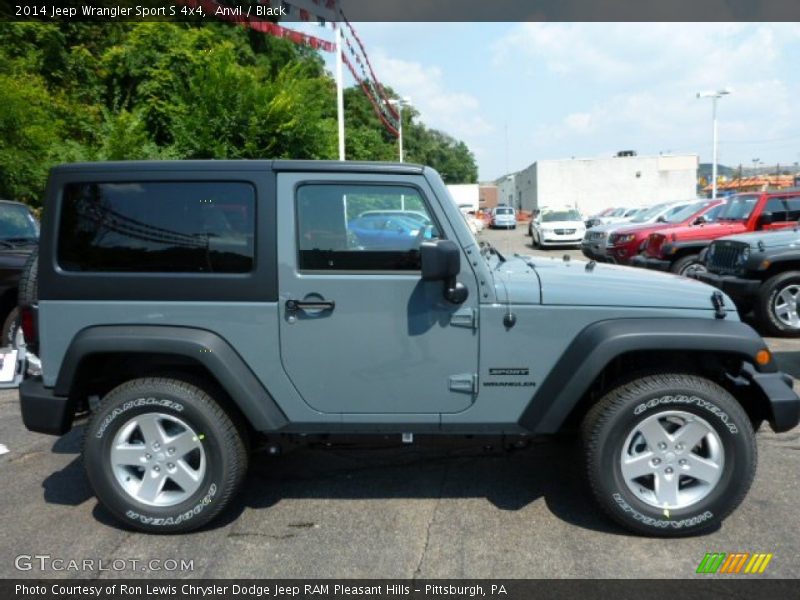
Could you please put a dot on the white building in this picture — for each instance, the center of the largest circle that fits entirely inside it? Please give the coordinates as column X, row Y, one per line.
column 507, row 190
column 465, row 193
column 593, row 184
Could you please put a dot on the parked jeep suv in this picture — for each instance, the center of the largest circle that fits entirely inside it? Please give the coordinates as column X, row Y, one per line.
column 19, row 234
column 189, row 309
column 677, row 249
column 761, row 272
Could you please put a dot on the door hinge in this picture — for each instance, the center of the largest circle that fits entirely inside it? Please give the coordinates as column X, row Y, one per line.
column 464, row 382
column 466, row 317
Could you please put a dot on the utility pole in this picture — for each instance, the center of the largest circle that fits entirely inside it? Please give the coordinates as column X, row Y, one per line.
column 404, row 101
column 714, row 97
column 339, row 90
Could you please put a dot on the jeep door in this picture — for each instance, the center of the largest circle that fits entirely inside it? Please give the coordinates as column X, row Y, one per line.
column 360, row 332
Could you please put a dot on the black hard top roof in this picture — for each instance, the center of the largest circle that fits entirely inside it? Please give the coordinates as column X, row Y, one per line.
column 320, row 166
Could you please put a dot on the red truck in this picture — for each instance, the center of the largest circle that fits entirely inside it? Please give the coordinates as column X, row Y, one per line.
column 677, row 249
column 624, row 243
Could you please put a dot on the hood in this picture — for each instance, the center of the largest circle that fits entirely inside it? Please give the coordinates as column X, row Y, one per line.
column 562, row 225
column 712, row 230
column 543, row 280
column 637, row 227
column 616, row 220
column 607, row 227
column 786, row 238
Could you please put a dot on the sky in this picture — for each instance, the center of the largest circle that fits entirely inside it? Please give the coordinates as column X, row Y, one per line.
column 521, row 92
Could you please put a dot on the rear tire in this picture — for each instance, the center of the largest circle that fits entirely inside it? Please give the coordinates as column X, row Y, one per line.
column 162, row 456
column 777, row 305
column 28, row 294
column 642, row 473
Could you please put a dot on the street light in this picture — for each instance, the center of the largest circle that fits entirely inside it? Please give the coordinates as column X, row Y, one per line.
column 404, row 101
column 714, row 97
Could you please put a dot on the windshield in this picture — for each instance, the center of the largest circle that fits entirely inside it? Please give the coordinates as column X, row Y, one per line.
column 686, row 212
column 648, row 213
column 738, row 208
column 17, row 222
column 561, row 215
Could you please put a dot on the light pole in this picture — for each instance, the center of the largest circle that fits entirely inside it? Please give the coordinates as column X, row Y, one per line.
column 714, row 97
column 404, row 101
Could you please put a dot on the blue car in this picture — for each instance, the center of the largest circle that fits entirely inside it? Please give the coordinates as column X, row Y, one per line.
column 378, row 232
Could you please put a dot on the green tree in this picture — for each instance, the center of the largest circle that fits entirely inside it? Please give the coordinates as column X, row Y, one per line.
column 91, row 91
column 27, row 133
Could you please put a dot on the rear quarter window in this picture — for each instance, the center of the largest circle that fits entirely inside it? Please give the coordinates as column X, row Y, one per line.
column 148, row 227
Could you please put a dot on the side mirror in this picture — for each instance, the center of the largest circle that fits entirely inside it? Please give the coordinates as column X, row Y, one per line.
column 766, row 218
column 700, row 220
column 441, row 261
column 661, row 219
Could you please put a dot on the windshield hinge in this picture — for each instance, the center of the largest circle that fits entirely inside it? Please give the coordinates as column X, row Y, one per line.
column 465, row 317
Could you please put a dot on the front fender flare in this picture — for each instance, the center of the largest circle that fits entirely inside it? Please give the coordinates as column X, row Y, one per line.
column 601, row 342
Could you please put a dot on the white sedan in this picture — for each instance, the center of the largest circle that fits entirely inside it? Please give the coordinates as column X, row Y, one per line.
column 557, row 227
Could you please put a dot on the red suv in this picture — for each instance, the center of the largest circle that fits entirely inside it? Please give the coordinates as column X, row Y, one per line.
column 677, row 249
column 624, row 243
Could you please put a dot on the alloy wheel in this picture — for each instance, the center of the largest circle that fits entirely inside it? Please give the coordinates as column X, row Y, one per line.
column 158, row 459
column 672, row 460
column 784, row 306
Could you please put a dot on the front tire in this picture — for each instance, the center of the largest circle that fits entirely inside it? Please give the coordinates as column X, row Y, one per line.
column 163, row 456
column 777, row 305
column 669, row 455
column 682, row 265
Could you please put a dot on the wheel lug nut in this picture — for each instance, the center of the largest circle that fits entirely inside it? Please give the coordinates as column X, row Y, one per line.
column 171, row 450
column 656, row 461
column 682, row 461
column 679, row 446
column 662, row 446
column 668, row 470
column 156, row 468
column 148, row 456
column 170, row 466
column 156, row 445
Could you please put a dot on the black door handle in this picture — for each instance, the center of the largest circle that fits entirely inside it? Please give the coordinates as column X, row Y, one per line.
column 295, row 305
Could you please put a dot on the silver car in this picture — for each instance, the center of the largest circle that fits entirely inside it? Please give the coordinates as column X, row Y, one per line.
column 503, row 217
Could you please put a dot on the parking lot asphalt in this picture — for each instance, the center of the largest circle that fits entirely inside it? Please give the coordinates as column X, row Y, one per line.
column 458, row 509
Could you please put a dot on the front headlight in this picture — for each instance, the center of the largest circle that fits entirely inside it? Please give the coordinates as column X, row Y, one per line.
column 625, row 239
column 546, row 230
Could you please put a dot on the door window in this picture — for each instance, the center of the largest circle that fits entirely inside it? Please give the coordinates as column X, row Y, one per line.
column 793, row 204
column 777, row 207
column 361, row 227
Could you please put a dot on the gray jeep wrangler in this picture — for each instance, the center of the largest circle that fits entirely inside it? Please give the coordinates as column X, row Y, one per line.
column 188, row 309
column 761, row 272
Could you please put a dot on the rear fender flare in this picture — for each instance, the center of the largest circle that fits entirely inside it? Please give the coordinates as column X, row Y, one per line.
column 207, row 348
